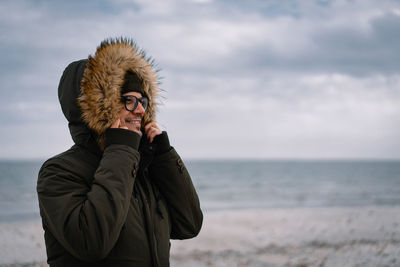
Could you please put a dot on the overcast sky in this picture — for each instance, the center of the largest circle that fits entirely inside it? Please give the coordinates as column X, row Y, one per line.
column 275, row 79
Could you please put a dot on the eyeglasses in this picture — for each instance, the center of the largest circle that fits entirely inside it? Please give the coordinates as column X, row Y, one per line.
column 131, row 102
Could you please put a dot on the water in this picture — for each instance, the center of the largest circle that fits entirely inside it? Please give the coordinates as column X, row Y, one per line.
column 18, row 200
column 291, row 184
column 242, row 184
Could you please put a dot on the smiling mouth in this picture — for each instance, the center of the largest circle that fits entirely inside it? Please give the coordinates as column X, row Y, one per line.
column 133, row 122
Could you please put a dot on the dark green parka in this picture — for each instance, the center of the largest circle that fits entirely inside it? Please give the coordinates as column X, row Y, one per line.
column 113, row 199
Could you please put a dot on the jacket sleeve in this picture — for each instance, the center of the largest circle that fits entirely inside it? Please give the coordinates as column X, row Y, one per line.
column 86, row 219
column 174, row 182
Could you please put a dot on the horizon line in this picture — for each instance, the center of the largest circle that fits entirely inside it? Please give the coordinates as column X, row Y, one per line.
column 219, row 159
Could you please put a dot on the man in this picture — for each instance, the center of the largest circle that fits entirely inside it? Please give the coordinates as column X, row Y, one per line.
column 119, row 195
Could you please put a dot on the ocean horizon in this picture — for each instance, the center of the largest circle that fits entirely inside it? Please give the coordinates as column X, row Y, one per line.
column 227, row 184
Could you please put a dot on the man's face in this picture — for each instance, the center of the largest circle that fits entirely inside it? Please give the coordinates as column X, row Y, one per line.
column 132, row 119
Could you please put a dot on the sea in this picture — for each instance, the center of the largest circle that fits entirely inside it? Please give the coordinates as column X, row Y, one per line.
column 242, row 184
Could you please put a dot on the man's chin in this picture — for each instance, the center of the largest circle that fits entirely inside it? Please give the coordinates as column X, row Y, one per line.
column 134, row 128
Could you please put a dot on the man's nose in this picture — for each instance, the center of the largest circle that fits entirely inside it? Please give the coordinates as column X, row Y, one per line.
column 139, row 109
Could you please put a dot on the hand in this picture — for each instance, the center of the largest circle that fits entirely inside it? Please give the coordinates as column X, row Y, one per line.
column 152, row 130
column 121, row 124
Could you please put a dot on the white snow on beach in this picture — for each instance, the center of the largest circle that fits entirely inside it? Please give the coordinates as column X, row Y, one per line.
column 367, row 236
column 351, row 236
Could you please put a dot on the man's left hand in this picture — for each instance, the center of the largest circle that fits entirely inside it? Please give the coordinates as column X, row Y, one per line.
column 152, row 130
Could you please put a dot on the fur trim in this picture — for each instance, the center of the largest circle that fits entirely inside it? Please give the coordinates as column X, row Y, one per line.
column 100, row 99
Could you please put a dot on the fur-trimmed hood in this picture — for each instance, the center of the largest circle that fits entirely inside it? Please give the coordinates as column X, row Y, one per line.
column 90, row 89
column 103, row 78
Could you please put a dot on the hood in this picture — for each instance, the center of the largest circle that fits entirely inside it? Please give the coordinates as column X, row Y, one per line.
column 69, row 90
column 100, row 99
column 90, row 89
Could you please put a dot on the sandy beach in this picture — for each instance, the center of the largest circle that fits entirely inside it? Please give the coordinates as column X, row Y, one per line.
column 359, row 236
column 367, row 236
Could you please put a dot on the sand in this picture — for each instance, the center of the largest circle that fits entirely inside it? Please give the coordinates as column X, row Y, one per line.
column 22, row 244
column 361, row 236
column 367, row 236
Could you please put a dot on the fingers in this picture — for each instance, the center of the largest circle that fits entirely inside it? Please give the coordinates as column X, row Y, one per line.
column 123, row 125
column 118, row 124
column 149, row 125
column 152, row 130
column 153, row 133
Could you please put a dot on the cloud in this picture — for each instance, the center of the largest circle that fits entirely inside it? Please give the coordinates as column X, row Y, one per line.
column 246, row 79
column 353, row 116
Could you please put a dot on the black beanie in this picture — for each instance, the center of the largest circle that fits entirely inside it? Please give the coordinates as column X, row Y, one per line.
column 132, row 84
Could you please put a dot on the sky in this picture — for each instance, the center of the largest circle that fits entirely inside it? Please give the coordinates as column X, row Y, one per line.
column 257, row 79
